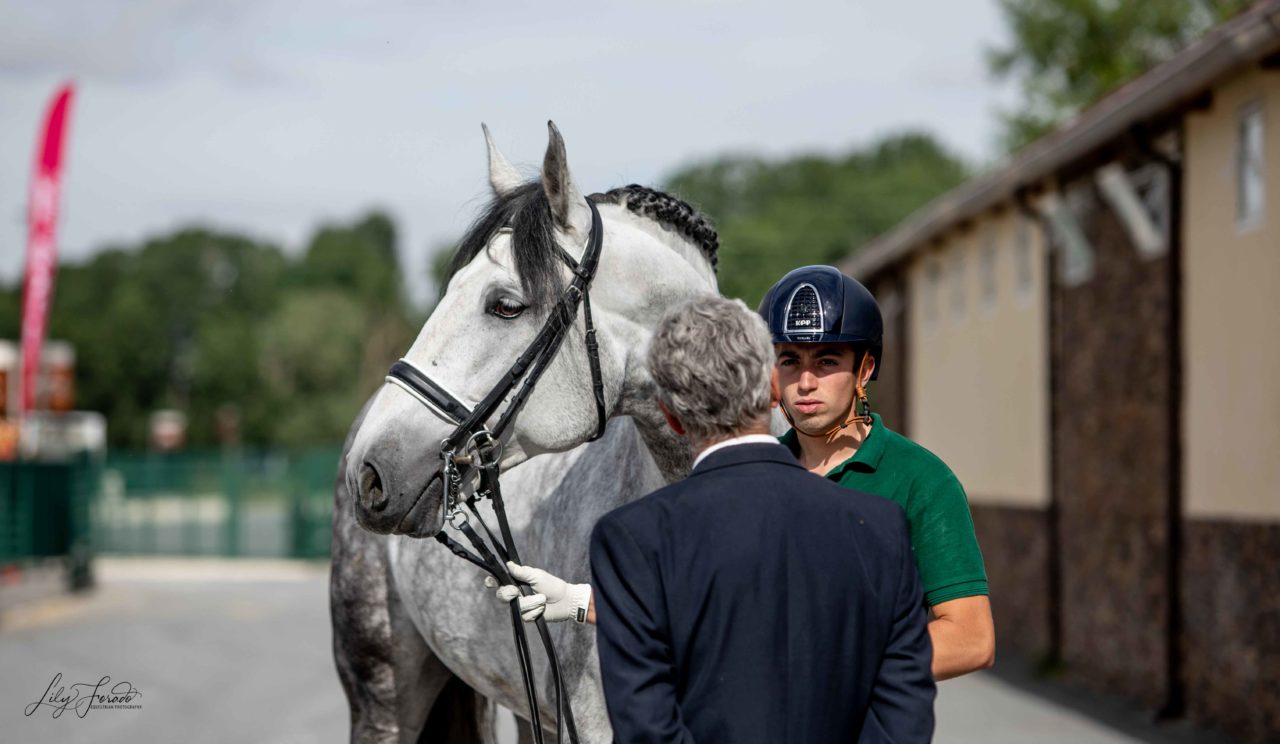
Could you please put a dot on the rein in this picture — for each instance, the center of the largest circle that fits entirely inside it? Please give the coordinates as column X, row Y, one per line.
column 472, row 446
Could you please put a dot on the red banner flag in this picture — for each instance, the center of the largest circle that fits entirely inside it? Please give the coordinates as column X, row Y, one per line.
column 42, row 255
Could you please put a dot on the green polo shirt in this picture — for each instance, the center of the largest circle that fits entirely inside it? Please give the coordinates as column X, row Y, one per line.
column 946, row 548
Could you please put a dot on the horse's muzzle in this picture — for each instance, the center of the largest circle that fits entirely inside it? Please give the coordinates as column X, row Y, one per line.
column 387, row 504
column 426, row 516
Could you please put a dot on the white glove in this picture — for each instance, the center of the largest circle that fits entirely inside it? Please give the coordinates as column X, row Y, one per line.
column 555, row 599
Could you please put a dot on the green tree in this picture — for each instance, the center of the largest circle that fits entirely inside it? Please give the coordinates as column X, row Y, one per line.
column 199, row 319
column 359, row 258
column 773, row 216
column 1066, row 54
column 140, row 322
column 310, row 346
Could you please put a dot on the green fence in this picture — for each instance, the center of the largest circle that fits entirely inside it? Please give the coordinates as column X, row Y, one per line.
column 235, row 502
column 45, row 508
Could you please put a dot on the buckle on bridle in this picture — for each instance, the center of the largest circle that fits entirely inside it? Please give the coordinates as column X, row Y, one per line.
column 457, row 519
column 481, row 451
column 487, row 449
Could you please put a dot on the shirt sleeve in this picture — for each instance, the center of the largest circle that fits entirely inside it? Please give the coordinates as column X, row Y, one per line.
column 636, row 662
column 945, row 544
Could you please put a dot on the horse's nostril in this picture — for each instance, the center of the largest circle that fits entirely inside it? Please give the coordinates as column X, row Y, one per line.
column 372, row 496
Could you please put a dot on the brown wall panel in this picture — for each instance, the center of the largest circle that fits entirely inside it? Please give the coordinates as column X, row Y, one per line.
column 1015, row 548
column 1231, row 606
column 888, row 393
column 1111, row 468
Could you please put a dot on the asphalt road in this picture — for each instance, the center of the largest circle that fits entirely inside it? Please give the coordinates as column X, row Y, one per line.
column 240, row 652
column 219, row 652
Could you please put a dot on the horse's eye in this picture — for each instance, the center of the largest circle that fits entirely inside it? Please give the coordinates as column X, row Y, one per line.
column 506, row 309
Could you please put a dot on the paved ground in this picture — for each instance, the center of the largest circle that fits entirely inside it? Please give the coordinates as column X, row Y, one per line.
column 218, row 655
column 240, row 652
column 983, row 708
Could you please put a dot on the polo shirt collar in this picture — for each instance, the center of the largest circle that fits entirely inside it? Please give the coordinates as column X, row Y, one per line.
column 868, row 456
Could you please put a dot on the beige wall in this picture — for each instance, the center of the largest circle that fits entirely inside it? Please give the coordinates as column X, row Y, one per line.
column 1231, row 291
column 977, row 381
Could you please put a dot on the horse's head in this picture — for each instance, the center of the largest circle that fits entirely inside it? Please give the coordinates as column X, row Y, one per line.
column 508, row 274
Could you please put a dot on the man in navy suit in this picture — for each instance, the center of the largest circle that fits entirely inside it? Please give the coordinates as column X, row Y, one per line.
column 753, row 601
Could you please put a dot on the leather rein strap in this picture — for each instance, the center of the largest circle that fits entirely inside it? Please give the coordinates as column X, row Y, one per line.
column 471, row 435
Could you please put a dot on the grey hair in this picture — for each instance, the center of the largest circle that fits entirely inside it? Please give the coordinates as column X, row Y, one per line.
column 712, row 358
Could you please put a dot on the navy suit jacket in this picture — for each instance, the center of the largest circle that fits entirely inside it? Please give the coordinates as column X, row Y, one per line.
column 757, row 602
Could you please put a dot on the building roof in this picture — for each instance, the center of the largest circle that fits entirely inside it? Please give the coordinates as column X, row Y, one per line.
column 1242, row 41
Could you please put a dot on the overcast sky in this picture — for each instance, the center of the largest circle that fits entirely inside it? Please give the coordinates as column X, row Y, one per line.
column 272, row 117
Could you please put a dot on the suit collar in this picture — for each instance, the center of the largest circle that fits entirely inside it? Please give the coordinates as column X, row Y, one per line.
column 742, row 454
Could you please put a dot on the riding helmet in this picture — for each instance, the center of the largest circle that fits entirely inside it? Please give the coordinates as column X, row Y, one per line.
column 818, row 304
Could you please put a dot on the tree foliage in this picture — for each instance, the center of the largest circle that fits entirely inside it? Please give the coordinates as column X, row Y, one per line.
column 200, row 320
column 774, row 216
column 1066, row 54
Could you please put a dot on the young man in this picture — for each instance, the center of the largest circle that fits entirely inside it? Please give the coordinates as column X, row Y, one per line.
column 827, row 331
column 753, row 601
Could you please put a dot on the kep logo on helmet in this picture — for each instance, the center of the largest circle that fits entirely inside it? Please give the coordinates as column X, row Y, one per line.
column 804, row 311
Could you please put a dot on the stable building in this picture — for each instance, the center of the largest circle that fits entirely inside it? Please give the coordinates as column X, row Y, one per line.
column 1089, row 334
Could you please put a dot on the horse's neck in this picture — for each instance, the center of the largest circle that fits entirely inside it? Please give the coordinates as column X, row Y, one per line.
column 669, row 452
column 638, row 453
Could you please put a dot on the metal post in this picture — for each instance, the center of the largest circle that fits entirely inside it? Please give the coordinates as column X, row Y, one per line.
column 232, row 466
column 26, row 537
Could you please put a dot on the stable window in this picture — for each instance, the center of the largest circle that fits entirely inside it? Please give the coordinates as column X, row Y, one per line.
column 1250, row 183
column 987, row 268
column 957, row 283
column 933, row 287
column 1023, row 253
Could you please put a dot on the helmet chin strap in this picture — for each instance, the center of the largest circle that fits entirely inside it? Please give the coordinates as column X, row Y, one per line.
column 852, row 415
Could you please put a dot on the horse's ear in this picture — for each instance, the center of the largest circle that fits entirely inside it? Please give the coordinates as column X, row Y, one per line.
column 503, row 176
column 568, row 208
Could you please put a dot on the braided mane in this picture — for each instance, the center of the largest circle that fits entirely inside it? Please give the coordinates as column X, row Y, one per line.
column 670, row 211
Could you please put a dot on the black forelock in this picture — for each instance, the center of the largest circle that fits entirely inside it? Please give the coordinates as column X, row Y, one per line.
column 526, row 211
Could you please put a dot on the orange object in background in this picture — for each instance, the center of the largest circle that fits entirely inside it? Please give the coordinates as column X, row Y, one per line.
column 55, row 386
column 55, row 393
column 8, row 378
column 10, row 433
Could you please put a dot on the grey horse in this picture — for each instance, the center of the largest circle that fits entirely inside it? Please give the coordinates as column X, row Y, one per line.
column 423, row 651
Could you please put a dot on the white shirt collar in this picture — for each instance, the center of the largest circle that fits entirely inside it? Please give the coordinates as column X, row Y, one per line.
column 745, row 439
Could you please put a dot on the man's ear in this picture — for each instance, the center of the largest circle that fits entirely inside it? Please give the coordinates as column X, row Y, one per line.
column 870, row 370
column 775, row 389
column 672, row 421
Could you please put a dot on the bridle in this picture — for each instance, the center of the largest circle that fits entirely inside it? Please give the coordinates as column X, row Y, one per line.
column 530, row 365
column 473, row 446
